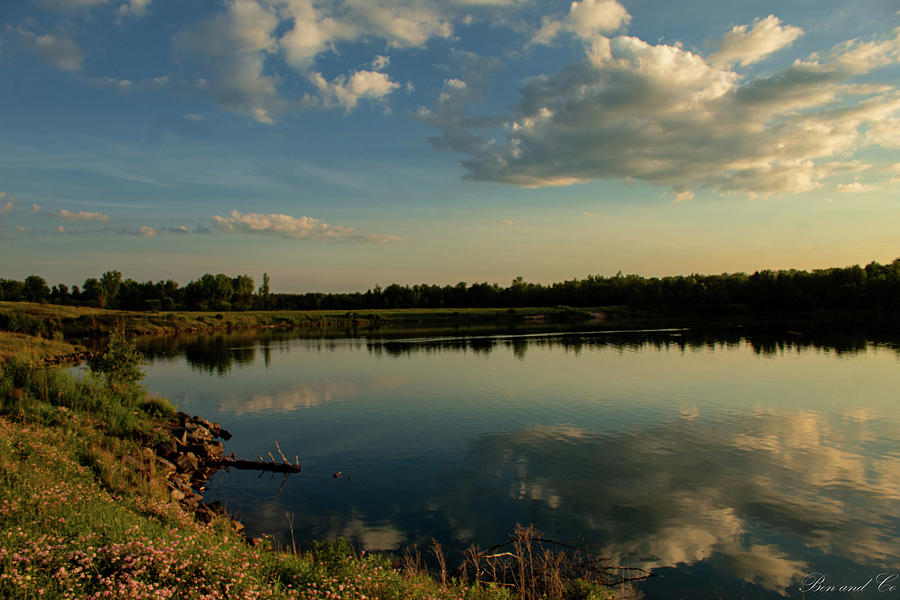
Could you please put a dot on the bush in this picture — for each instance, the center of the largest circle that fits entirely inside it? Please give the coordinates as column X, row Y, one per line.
column 120, row 365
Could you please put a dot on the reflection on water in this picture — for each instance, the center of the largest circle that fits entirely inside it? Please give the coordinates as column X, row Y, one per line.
column 731, row 462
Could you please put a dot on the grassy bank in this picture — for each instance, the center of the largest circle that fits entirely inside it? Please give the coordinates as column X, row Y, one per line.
column 33, row 349
column 77, row 321
column 85, row 513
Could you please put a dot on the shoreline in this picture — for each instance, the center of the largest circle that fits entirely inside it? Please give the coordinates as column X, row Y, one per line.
column 90, row 506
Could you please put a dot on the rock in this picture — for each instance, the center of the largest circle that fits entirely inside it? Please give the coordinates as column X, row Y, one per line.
column 198, row 433
column 216, row 507
column 187, row 463
column 237, row 525
column 207, row 449
column 181, row 483
column 177, row 495
column 162, row 463
column 180, row 436
column 130, row 460
column 224, row 434
column 205, row 514
column 167, row 448
column 203, row 422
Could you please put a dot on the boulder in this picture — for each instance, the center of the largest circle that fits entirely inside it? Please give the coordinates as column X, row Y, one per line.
column 167, row 448
column 165, row 465
column 187, row 463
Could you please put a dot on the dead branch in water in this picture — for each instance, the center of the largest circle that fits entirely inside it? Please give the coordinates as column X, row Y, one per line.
column 257, row 465
column 253, row 465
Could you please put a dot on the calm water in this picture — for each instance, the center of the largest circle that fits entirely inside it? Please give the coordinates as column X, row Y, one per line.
column 732, row 464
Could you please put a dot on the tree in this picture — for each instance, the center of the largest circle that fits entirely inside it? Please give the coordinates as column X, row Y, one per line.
column 264, row 291
column 10, row 289
column 120, row 365
column 110, row 282
column 59, row 293
column 243, row 291
column 35, row 289
column 92, row 291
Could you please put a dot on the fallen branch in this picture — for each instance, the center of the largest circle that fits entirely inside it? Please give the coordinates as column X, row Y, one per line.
column 257, row 465
column 254, row 465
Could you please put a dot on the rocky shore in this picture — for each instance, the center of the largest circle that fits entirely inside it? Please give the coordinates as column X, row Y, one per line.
column 190, row 454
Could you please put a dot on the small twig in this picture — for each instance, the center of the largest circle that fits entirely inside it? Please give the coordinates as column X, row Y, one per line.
column 283, row 479
column 277, row 447
column 499, row 555
column 270, row 456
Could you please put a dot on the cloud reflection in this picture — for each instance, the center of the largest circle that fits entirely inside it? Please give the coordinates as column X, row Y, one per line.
column 760, row 496
column 301, row 396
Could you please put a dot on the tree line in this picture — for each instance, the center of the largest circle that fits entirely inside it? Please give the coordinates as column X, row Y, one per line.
column 874, row 286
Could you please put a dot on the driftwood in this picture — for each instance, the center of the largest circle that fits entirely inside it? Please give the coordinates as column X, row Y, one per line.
column 255, row 465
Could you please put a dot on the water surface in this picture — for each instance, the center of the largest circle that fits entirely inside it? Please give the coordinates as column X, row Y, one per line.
column 732, row 463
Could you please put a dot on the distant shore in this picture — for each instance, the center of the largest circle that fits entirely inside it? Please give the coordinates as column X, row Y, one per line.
column 53, row 333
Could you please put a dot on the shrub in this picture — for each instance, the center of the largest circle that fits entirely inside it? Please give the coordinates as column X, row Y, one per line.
column 120, row 365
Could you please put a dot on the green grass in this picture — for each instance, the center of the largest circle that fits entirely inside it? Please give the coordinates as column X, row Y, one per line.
column 85, row 514
column 32, row 349
column 47, row 319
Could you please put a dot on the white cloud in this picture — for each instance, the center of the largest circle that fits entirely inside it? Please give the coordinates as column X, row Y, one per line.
column 60, row 229
column 311, row 34
column 285, row 226
column 6, row 207
column 319, row 28
column 347, row 92
column 81, row 216
column 896, row 169
column 127, row 85
column 862, row 57
column 507, row 222
column 35, row 208
column 55, row 50
column 231, row 48
column 855, row 188
column 588, row 19
column 380, row 62
column 20, row 229
column 662, row 114
column 134, row 9
column 146, row 231
column 747, row 46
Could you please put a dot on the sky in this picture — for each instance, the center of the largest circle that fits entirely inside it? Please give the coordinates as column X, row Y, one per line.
column 338, row 145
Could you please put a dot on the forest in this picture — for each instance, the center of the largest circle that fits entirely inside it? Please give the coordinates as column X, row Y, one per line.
column 872, row 287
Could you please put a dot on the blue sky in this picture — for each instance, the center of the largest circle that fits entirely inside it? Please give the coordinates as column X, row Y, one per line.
column 336, row 145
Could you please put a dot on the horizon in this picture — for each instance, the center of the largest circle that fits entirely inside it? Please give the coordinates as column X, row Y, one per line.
column 344, row 145
column 382, row 285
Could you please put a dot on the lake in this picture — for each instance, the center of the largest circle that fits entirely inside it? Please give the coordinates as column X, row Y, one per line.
column 732, row 463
